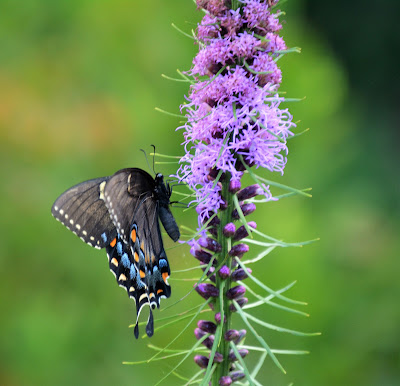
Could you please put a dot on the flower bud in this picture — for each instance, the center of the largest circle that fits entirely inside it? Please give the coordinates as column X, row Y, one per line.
column 241, row 233
column 239, row 250
column 249, row 192
column 246, row 209
column 203, row 256
column 224, row 272
column 231, row 335
column 225, row 381
column 210, row 244
column 218, row 358
column 241, row 302
column 235, row 292
column 236, row 375
column 242, row 352
column 213, row 231
column 240, row 274
column 208, row 342
column 206, row 290
column 229, row 229
column 207, row 326
column 218, row 318
column 201, row 361
column 242, row 335
column 234, row 186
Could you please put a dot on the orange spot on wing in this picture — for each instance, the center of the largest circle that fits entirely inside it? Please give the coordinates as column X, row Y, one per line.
column 112, row 244
column 142, row 274
column 159, row 291
column 133, row 235
column 165, row 276
column 136, row 257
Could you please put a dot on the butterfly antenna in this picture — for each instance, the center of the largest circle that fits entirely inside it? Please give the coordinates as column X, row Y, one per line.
column 147, row 160
column 154, row 158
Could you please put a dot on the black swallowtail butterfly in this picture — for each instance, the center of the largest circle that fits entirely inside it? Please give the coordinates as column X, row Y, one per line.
column 120, row 213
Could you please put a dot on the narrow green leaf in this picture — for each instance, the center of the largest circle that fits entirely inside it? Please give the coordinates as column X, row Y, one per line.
column 258, row 337
column 241, row 361
column 269, row 290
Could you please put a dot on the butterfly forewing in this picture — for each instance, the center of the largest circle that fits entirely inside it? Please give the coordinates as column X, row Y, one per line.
column 82, row 210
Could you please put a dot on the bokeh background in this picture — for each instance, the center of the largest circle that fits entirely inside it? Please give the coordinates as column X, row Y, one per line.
column 79, row 81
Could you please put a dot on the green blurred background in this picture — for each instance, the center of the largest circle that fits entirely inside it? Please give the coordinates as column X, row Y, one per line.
column 79, row 84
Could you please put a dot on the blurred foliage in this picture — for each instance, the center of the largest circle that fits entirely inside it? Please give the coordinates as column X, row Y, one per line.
column 79, row 83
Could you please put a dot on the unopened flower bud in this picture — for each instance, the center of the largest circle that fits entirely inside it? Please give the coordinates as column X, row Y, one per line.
column 234, row 186
column 208, row 342
column 241, row 232
column 225, row 381
column 207, row 290
column 236, row 375
column 241, row 302
column 207, row 326
column 235, row 292
column 231, row 335
column 240, row 274
column 218, row 358
column 213, row 231
column 201, row 361
column 218, row 318
column 242, row 352
column 246, row 209
column 201, row 255
column 229, row 229
column 249, row 192
column 224, row 272
column 242, row 335
column 239, row 250
column 210, row 244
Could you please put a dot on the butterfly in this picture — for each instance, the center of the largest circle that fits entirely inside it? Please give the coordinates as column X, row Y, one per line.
column 121, row 213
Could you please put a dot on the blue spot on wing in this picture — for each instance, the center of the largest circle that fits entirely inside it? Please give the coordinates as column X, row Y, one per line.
column 104, row 236
column 163, row 263
column 125, row 260
column 119, row 248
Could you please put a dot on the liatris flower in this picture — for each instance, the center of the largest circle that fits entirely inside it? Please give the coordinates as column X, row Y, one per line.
column 234, row 123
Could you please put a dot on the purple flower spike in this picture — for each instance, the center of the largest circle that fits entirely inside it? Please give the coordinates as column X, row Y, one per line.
column 231, row 335
column 236, row 375
column 241, row 233
column 224, row 272
column 242, row 352
column 207, row 326
column 234, row 186
column 246, row 209
column 201, row 361
column 240, row 274
column 249, row 192
column 210, row 244
column 242, row 335
column 225, row 381
column 235, row 292
column 229, row 229
column 241, row 302
column 239, row 250
column 207, row 290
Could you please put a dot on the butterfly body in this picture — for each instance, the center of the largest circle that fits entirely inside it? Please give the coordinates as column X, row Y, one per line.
column 121, row 214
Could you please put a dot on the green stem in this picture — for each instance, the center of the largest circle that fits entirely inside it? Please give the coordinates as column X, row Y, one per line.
column 222, row 304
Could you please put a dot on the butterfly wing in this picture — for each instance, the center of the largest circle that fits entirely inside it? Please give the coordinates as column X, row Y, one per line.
column 137, row 255
column 82, row 210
